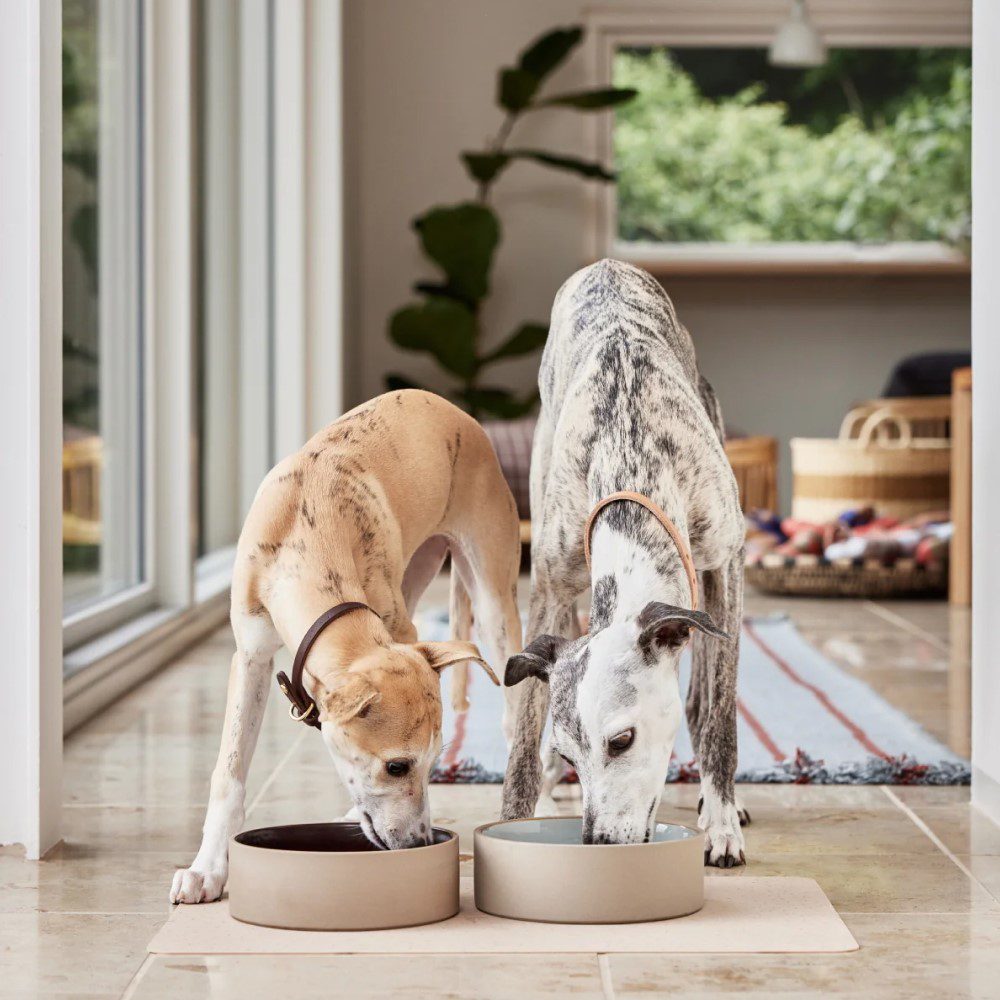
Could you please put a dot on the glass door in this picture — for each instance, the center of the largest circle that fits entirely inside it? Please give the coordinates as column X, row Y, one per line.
column 106, row 571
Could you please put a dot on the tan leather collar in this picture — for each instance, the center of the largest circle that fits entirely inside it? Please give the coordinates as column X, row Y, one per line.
column 669, row 526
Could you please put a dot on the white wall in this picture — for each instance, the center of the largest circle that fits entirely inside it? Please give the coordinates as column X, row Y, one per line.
column 419, row 83
column 986, row 408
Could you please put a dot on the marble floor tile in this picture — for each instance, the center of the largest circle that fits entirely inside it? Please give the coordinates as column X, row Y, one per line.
column 60, row 953
column 136, row 789
column 75, row 881
column 985, row 870
column 962, row 828
column 900, row 958
column 873, row 883
column 131, row 829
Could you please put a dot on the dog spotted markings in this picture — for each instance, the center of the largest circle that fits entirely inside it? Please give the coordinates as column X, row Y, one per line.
column 624, row 408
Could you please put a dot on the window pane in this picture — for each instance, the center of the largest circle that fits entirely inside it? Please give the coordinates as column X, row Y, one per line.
column 720, row 146
column 218, row 333
column 234, row 226
column 102, row 324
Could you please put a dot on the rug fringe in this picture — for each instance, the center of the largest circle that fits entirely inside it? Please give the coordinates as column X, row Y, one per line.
column 803, row 770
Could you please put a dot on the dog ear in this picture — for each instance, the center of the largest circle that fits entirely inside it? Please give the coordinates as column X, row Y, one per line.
column 534, row 660
column 662, row 626
column 352, row 697
column 444, row 654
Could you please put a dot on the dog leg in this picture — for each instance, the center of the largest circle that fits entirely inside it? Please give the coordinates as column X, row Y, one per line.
column 553, row 766
column 424, row 565
column 460, row 618
column 484, row 578
column 523, row 781
column 697, row 703
column 249, row 684
column 717, row 661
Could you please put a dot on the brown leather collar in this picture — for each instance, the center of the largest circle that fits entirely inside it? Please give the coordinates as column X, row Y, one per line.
column 669, row 526
column 304, row 709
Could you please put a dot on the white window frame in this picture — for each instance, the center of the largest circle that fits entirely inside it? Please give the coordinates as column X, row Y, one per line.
column 31, row 411
column 750, row 24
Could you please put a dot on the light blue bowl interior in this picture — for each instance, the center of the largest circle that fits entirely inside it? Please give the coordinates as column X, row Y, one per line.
column 569, row 830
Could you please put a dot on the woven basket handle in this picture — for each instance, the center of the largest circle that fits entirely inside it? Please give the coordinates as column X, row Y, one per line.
column 854, row 417
column 880, row 418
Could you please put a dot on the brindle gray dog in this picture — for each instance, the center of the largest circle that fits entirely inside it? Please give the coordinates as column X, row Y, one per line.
column 625, row 409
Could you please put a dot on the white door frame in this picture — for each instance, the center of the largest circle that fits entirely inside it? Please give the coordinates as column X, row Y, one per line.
column 985, row 407
column 31, row 415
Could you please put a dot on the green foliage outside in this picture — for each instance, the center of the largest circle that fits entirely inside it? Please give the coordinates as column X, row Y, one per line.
column 873, row 147
column 461, row 239
column 80, row 170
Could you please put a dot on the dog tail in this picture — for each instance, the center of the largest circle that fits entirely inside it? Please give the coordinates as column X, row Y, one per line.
column 461, row 628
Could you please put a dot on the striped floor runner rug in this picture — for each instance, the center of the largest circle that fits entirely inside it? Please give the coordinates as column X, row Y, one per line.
column 801, row 719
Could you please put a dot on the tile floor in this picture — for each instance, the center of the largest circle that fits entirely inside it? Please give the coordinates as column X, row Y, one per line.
column 914, row 873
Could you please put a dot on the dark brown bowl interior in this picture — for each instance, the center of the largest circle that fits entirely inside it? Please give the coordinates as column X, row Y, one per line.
column 331, row 838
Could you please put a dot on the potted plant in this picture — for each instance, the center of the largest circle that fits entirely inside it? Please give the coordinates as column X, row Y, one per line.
column 461, row 239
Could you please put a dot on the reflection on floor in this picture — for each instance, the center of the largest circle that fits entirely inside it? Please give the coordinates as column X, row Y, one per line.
column 914, row 872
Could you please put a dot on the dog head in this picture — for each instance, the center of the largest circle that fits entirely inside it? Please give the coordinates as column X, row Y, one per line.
column 616, row 708
column 382, row 723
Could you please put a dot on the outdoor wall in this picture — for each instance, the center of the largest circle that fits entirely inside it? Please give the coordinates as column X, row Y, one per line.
column 788, row 355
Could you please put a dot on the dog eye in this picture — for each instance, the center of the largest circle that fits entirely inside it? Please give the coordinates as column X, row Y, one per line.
column 397, row 768
column 568, row 761
column 620, row 743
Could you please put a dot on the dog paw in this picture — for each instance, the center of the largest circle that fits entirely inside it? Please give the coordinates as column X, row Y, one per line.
column 724, row 849
column 191, row 886
column 722, row 822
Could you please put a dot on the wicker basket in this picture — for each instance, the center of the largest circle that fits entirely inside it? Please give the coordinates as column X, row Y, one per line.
column 928, row 416
column 811, row 577
column 755, row 466
column 884, row 467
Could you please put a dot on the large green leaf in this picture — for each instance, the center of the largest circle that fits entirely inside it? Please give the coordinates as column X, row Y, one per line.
column 461, row 240
column 526, row 339
column 444, row 290
column 499, row 402
column 590, row 100
column 582, row 167
column 394, row 381
column 515, row 88
column 545, row 53
column 442, row 327
column 484, row 167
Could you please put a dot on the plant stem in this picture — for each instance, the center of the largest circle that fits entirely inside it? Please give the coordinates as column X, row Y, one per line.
column 482, row 197
column 496, row 146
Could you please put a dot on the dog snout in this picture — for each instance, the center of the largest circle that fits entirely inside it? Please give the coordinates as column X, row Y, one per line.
column 398, row 836
column 596, row 832
column 404, row 839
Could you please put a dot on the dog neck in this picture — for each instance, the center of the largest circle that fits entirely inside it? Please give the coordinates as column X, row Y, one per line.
column 296, row 606
column 344, row 642
column 626, row 574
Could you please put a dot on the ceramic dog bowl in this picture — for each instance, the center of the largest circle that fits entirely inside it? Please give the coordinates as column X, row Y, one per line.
column 539, row 869
column 327, row 876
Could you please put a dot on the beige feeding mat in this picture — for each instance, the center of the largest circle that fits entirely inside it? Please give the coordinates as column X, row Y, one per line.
column 742, row 914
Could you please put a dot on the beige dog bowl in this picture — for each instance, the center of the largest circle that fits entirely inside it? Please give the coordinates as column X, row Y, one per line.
column 539, row 869
column 328, row 877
